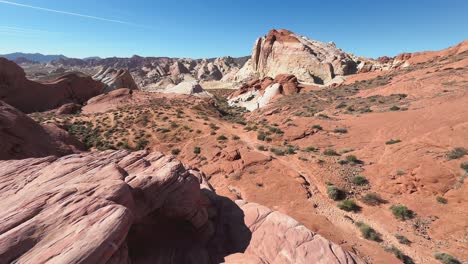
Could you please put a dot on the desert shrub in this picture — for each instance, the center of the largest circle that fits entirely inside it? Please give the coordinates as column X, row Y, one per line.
column 330, row 152
column 402, row 239
column 291, row 150
column 341, row 130
column 318, row 127
column 348, row 206
column 334, row 193
column 343, row 162
column 392, row 141
column 197, row 150
column 446, row 258
column 368, row 232
column 353, row 159
column 400, row 255
column 278, row 152
column 401, row 212
column 310, row 149
column 324, row 116
column 350, row 109
column 275, row 130
column 395, row 108
column 175, row 152
column 235, row 137
column 262, row 148
column 141, row 144
column 372, row 199
column 213, row 126
column 213, row 133
column 456, row 153
column 464, row 166
column 198, row 131
column 261, row 136
column 441, row 200
column 222, row 137
column 360, row 180
column 341, row 105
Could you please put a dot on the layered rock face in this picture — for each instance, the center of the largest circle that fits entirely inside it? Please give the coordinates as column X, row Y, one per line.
column 283, row 52
column 115, row 79
column 21, row 137
column 260, row 92
column 29, row 96
column 140, row 207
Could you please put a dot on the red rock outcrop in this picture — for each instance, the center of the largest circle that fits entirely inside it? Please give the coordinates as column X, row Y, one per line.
column 140, row 207
column 21, row 137
column 29, row 96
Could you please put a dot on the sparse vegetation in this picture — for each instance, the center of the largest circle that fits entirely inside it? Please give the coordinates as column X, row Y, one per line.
column 360, row 180
column 197, row 150
column 400, row 255
column 446, row 258
column 235, row 137
column 318, row 127
column 401, row 212
column 392, row 141
column 310, row 149
column 348, row 206
column 368, row 232
column 464, row 166
column 334, row 193
column 456, row 153
column 330, row 152
column 372, row 199
column 175, row 152
column 262, row 148
column 441, row 200
column 340, row 130
column 222, row 137
column 395, row 108
column 352, row 159
column 402, row 239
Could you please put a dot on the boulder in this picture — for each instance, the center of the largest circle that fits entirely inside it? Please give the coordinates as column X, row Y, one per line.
column 139, row 207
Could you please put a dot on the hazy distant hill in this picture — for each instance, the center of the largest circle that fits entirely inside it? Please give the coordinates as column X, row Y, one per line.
column 37, row 57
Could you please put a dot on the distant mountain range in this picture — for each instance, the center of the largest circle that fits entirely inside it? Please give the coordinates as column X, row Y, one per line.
column 35, row 57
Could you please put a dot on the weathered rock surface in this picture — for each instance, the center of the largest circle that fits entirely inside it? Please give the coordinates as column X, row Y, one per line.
column 21, row 137
column 140, row 207
column 115, row 79
column 189, row 88
column 149, row 71
column 260, row 92
column 283, row 52
column 68, row 109
column 29, row 96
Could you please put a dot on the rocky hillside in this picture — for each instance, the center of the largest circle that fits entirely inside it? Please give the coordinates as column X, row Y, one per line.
column 151, row 72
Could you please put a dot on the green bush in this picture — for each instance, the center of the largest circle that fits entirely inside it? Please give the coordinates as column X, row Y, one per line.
column 262, row 148
column 372, row 199
column 392, row 141
column 446, row 258
column 441, row 200
column 401, row 212
column 334, row 193
column 368, row 232
column 353, row 159
column 330, row 152
column 222, row 137
column 310, row 149
column 402, row 239
column 464, row 166
column 197, row 150
column 348, row 206
column 341, row 130
column 261, row 136
column 175, row 152
column 395, row 108
column 400, row 255
column 456, row 153
column 318, row 127
column 360, row 180
column 278, row 152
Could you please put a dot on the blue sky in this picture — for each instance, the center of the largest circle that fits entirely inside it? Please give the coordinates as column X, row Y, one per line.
column 212, row 28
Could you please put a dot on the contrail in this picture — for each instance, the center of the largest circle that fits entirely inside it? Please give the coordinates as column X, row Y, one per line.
column 66, row 12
